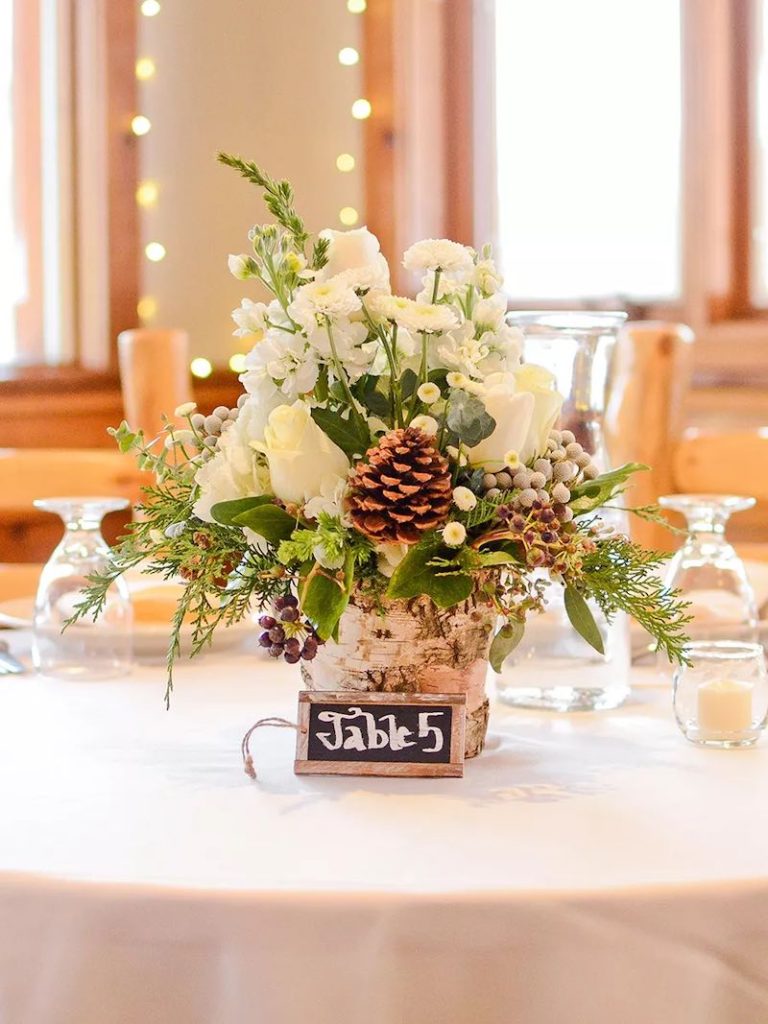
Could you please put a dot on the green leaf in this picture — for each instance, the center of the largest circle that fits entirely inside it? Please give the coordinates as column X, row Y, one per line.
column 582, row 619
column 496, row 558
column 351, row 435
column 591, row 494
column 439, row 377
column 505, row 641
column 224, row 512
column 324, row 596
column 374, row 400
column 409, row 381
column 269, row 521
column 415, row 575
column 467, row 419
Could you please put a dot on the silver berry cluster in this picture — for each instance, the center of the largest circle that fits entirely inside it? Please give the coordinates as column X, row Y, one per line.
column 551, row 478
column 208, row 429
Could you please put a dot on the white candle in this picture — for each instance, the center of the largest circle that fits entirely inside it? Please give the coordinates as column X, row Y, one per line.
column 725, row 706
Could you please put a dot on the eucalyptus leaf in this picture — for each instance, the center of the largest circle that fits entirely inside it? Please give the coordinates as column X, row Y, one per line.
column 582, row 619
column 351, row 435
column 505, row 641
column 224, row 512
column 270, row 521
column 467, row 419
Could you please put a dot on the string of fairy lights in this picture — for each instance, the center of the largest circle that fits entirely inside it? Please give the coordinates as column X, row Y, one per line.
column 148, row 190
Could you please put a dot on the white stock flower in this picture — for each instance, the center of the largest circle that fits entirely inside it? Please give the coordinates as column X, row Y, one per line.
column 454, row 534
column 354, row 352
column 427, row 424
column 486, row 278
column 349, row 250
column 448, row 286
column 438, row 253
column 330, row 499
column 464, row 499
column 389, row 556
column 234, row 471
column 286, row 359
column 548, row 402
column 488, row 314
column 323, row 299
column 512, row 410
column 302, row 459
column 241, row 266
column 419, row 317
column 250, row 318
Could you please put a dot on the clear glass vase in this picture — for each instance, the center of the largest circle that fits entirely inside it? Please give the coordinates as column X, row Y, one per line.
column 708, row 571
column 552, row 667
column 86, row 649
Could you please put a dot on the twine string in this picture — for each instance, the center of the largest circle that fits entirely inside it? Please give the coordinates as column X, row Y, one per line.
column 279, row 723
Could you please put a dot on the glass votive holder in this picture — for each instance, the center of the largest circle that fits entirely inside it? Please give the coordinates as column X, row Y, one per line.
column 721, row 698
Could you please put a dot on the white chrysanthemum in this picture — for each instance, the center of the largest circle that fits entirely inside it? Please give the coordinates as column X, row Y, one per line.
column 464, row 499
column 456, row 380
column 512, row 460
column 419, row 317
column 454, row 534
column 323, row 299
column 354, row 352
column 374, row 275
column 486, row 278
column 438, row 254
column 286, row 359
column 427, row 424
column 428, row 393
column 185, row 409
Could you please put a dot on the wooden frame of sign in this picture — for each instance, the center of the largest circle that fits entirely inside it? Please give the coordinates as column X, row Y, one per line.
column 402, row 734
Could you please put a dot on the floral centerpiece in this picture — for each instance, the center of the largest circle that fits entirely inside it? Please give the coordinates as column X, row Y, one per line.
column 391, row 491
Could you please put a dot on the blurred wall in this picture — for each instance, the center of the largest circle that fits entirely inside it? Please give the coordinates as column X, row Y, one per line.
column 260, row 78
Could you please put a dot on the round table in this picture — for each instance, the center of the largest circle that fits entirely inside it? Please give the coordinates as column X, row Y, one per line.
column 591, row 868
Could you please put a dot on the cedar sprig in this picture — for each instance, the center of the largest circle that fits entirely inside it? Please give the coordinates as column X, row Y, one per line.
column 278, row 197
column 623, row 576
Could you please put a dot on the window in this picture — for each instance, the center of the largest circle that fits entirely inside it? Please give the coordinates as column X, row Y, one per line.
column 588, row 142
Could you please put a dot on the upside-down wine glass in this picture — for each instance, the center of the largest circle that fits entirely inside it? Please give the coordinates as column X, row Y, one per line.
column 709, row 572
column 87, row 649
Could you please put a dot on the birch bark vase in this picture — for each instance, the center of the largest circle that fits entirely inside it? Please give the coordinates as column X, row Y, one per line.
column 411, row 647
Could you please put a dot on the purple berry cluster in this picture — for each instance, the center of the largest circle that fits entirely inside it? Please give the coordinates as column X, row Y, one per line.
column 286, row 635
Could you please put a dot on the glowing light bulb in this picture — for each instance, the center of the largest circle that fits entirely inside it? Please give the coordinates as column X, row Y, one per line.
column 147, row 193
column 150, row 8
column 154, row 251
column 356, row 6
column 201, row 367
column 348, row 56
column 140, row 125
column 361, row 109
column 345, row 162
column 145, row 68
column 237, row 362
column 348, row 215
column 146, row 308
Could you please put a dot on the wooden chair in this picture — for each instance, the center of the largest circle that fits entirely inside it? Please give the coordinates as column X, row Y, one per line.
column 27, row 535
column 154, row 376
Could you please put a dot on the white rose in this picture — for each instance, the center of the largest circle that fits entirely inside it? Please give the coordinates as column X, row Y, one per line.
column 349, row 250
column 302, row 459
column 548, row 402
column 513, row 411
column 233, row 472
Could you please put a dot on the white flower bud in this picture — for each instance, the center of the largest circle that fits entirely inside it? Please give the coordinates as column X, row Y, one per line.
column 538, row 480
column 591, row 471
column 454, row 534
column 583, row 460
column 241, row 266
column 543, row 466
column 457, row 380
column 567, row 437
column 464, row 499
column 427, row 424
column 573, row 449
column 212, row 425
column 428, row 393
column 185, row 409
column 564, row 471
column 522, row 479
column 527, row 497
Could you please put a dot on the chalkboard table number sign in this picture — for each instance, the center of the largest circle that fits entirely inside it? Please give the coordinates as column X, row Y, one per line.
column 380, row 734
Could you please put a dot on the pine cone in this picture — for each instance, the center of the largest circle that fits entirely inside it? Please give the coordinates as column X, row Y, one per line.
column 402, row 489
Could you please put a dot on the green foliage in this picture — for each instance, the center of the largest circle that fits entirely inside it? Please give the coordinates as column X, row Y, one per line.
column 324, row 596
column 505, row 641
column 424, row 571
column 582, row 619
column 351, row 435
column 320, row 253
column 269, row 521
column 591, row 494
column 485, row 510
column 376, row 402
column 467, row 419
column 622, row 576
column 278, row 197
column 226, row 512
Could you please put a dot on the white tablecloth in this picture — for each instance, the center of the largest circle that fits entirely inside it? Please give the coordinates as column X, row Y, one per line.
column 592, row 868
